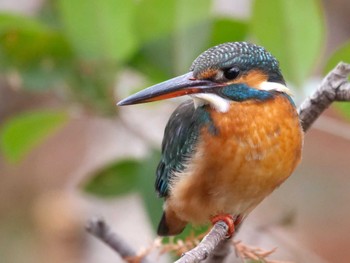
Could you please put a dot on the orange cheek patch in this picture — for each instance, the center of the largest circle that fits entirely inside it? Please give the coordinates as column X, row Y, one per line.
column 207, row 74
column 253, row 78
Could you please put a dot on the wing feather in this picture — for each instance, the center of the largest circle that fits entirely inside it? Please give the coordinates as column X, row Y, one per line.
column 180, row 138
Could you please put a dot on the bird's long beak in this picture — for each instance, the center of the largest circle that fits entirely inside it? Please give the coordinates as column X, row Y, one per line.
column 175, row 87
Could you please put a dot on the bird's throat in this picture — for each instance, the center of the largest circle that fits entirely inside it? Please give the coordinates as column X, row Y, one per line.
column 216, row 102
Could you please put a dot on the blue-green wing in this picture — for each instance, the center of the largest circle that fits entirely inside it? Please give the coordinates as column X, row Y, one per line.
column 180, row 138
column 179, row 143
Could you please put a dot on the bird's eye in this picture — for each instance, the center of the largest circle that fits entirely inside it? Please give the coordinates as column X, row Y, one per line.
column 231, row 73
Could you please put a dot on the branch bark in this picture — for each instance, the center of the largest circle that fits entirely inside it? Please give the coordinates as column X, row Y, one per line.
column 222, row 250
column 216, row 236
column 334, row 87
column 101, row 230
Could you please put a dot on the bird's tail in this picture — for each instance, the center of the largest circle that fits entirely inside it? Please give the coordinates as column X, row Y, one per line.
column 170, row 224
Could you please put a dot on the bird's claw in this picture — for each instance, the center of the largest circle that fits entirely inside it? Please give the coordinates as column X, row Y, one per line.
column 228, row 219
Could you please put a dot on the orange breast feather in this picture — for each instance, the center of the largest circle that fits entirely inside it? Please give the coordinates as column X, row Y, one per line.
column 258, row 146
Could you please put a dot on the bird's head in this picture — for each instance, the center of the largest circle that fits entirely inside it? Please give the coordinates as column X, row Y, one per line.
column 234, row 71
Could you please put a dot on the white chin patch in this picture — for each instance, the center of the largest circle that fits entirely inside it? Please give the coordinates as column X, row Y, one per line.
column 215, row 101
column 265, row 85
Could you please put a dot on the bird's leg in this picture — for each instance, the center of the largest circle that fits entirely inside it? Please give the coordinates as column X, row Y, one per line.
column 228, row 219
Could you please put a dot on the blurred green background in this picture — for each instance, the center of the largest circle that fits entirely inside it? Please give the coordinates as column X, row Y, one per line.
column 67, row 150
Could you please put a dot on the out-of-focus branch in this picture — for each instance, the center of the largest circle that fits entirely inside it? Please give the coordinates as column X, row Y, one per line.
column 334, row 87
column 100, row 229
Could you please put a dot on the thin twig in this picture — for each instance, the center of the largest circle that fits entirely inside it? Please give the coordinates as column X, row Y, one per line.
column 101, row 230
column 254, row 253
column 334, row 87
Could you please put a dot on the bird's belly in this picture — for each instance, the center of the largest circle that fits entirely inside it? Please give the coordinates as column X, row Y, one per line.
column 257, row 147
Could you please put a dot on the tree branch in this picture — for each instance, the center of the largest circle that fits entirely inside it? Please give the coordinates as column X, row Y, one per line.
column 222, row 250
column 208, row 244
column 101, row 230
column 214, row 246
column 334, row 87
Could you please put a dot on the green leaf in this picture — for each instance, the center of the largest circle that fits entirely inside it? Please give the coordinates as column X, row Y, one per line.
column 156, row 18
column 116, row 179
column 293, row 31
column 343, row 108
column 39, row 53
column 150, row 68
column 228, row 30
column 124, row 176
column 341, row 54
column 92, row 84
column 192, row 32
column 24, row 41
column 145, row 186
column 173, row 35
column 22, row 133
column 100, row 30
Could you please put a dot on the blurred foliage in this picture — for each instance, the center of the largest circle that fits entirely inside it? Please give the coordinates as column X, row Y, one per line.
column 225, row 28
column 21, row 133
column 81, row 47
column 171, row 31
column 293, row 31
column 115, row 179
column 341, row 54
column 102, row 31
column 153, row 204
column 39, row 53
column 124, row 176
column 344, row 109
column 131, row 175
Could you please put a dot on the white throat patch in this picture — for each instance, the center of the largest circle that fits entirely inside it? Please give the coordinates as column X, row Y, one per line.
column 266, row 85
column 215, row 101
column 223, row 105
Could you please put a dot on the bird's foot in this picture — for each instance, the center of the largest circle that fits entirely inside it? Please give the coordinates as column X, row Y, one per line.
column 254, row 253
column 229, row 220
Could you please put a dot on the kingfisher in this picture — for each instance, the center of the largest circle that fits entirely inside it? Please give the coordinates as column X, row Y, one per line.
column 228, row 147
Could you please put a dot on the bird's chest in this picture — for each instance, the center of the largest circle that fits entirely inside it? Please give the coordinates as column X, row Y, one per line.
column 256, row 147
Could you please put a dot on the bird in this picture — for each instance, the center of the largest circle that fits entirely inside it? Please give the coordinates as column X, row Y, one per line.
column 231, row 144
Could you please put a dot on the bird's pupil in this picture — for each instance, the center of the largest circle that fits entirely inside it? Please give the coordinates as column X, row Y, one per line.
column 231, row 73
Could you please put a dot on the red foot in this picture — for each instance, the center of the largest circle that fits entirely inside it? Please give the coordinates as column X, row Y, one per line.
column 228, row 219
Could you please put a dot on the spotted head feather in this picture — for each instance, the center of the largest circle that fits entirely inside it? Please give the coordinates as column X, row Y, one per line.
column 242, row 54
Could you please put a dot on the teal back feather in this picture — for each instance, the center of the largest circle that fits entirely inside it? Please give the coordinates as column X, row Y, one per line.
column 179, row 143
